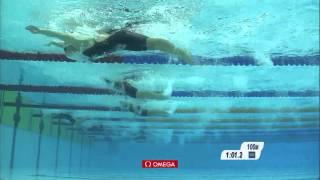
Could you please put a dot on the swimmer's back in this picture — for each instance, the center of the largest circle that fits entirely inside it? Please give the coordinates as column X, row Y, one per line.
column 124, row 39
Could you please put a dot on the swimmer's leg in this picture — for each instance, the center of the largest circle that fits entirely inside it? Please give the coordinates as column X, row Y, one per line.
column 160, row 94
column 151, row 95
column 168, row 47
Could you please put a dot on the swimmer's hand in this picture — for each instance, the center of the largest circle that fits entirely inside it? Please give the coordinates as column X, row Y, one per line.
column 184, row 55
column 33, row 29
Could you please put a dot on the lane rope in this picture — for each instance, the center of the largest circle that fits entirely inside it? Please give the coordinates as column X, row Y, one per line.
column 312, row 60
column 204, row 93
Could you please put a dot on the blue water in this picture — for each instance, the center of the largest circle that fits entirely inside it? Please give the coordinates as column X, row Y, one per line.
column 194, row 130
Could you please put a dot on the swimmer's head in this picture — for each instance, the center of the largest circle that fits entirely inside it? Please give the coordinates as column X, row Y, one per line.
column 108, row 30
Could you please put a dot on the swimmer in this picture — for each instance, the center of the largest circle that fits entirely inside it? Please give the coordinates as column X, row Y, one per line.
column 127, row 87
column 155, row 108
column 64, row 118
column 89, row 49
column 138, row 110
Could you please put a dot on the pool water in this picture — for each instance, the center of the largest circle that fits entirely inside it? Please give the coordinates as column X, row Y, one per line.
column 256, row 79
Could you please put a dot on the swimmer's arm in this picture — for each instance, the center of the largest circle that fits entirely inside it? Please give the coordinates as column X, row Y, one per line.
column 62, row 36
column 167, row 46
column 50, row 33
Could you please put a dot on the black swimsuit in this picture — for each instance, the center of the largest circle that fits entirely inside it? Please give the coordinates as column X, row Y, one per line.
column 130, row 40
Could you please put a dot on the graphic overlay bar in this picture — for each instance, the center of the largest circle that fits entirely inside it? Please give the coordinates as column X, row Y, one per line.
column 248, row 151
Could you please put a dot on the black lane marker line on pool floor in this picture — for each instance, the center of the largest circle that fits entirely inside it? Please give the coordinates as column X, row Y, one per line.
column 16, row 120
column 312, row 60
column 70, row 150
column 81, row 152
column 1, row 113
column 41, row 128
column 205, row 93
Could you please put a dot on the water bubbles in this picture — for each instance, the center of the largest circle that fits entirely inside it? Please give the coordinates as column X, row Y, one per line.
column 263, row 59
